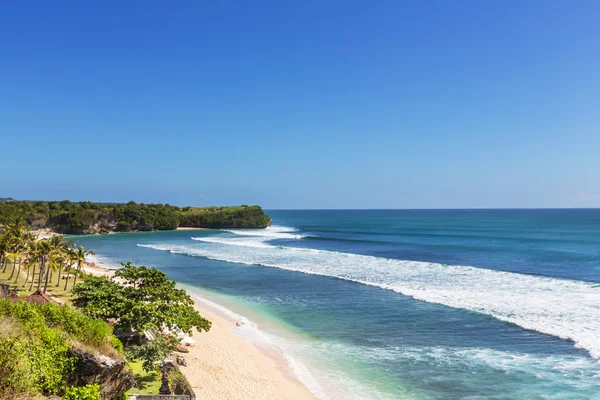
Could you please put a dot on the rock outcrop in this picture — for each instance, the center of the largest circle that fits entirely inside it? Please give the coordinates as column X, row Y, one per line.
column 111, row 374
column 178, row 383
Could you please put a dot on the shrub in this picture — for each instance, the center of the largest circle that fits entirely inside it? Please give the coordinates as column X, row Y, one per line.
column 87, row 392
column 34, row 344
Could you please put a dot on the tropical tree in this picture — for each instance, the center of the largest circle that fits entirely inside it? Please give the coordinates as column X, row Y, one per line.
column 15, row 234
column 24, row 248
column 42, row 253
column 63, row 258
column 80, row 254
column 146, row 300
column 29, row 266
column 55, row 260
column 4, row 248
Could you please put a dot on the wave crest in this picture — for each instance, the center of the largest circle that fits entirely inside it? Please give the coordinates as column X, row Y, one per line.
column 563, row 308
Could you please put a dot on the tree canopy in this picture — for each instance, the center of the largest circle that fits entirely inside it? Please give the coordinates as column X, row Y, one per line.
column 86, row 217
column 144, row 299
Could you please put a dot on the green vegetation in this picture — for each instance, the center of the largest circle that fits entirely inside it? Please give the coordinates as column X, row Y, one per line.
column 86, row 217
column 87, row 392
column 34, row 344
column 38, row 260
column 41, row 344
column 144, row 299
column 146, row 382
column 225, row 217
column 152, row 353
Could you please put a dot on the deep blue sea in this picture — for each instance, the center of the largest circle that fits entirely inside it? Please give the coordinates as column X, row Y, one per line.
column 415, row 304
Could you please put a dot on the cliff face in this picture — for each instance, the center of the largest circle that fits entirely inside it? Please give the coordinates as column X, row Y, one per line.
column 112, row 375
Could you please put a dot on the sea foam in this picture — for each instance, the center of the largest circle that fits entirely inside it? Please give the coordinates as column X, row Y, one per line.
column 567, row 309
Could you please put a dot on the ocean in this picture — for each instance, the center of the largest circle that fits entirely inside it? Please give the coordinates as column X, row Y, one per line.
column 403, row 304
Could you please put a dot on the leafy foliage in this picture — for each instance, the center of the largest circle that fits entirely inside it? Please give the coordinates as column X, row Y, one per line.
column 225, row 217
column 147, row 300
column 73, row 218
column 87, row 392
column 34, row 344
column 153, row 352
column 144, row 299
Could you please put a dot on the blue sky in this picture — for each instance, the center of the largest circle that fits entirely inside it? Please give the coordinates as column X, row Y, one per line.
column 308, row 104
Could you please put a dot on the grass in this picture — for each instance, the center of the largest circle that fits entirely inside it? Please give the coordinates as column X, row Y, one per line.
column 63, row 296
column 145, row 382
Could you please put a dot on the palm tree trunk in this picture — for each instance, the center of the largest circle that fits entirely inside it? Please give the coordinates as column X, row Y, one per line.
column 59, row 273
column 41, row 277
column 18, row 272
column 68, row 275
column 49, row 270
column 32, row 278
column 4, row 264
column 77, row 273
column 27, row 277
column 13, row 270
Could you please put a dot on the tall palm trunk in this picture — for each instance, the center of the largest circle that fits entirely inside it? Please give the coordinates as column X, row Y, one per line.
column 48, row 275
column 3, row 263
column 18, row 272
column 32, row 278
column 12, row 273
column 59, row 273
column 41, row 276
column 77, row 273
column 68, row 274
column 27, row 277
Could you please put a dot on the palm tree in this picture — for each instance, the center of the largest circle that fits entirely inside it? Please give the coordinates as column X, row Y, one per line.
column 62, row 257
column 80, row 254
column 4, row 244
column 42, row 250
column 30, row 255
column 16, row 238
column 71, row 257
column 34, row 259
column 53, row 261
column 22, row 250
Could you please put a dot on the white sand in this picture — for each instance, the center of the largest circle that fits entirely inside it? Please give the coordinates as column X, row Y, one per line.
column 221, row 365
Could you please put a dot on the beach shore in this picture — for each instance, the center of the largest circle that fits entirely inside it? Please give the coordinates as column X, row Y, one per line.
column 222, row 365
column 181, row 228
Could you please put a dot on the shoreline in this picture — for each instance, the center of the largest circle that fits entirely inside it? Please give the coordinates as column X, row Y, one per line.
column 223, row 365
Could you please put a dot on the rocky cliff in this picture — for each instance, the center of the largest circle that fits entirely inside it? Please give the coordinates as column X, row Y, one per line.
column 111, row 374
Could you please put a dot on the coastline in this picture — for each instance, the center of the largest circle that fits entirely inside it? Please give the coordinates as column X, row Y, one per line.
column 222, row 365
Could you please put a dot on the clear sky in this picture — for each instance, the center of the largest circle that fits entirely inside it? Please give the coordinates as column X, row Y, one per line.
column 302, row 104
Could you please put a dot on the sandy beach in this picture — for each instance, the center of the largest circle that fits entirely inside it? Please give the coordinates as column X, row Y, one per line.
column 222, row 365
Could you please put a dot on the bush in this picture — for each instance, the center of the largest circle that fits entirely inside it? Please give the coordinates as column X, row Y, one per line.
column 87, row 392
column 34, row 344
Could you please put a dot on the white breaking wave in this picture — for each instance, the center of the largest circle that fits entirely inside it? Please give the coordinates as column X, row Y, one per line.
column 563, row 308
column 102, row 261
column 272, row 232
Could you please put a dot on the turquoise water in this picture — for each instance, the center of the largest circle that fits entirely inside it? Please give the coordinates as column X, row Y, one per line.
column 501, row 304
